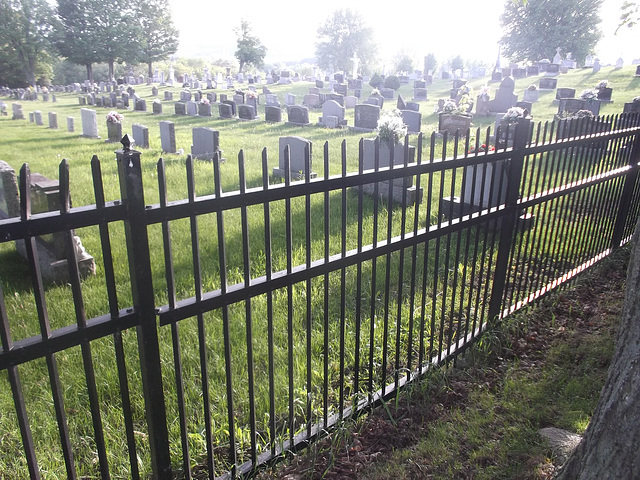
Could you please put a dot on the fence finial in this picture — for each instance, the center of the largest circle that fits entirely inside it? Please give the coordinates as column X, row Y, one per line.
column 126, row 142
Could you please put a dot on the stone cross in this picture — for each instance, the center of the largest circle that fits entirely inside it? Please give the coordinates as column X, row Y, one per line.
column 356, row 62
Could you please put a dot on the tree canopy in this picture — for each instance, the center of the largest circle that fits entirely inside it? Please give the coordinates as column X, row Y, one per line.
column 250, row 50
column 25, row 31
column 343, row 35
column 535, row 30
column 159, row 36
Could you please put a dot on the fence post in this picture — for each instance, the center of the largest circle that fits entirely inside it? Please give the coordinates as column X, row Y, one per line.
column 131, row 191
column 509, row 219
column 630, row 180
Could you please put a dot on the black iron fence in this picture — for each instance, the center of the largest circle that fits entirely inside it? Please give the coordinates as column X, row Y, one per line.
column 278, row 311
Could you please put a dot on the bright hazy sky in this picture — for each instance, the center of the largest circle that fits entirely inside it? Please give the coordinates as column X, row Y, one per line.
column 288, row 28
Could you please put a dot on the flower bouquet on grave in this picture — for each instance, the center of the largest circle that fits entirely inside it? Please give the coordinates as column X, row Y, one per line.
column 204, row 107
column 391, row 127
column 114, row 126
column 114, row 117
column 513, row 117
column 205, row 101
column 590, row 94
column 250, row 94
column 482, row 149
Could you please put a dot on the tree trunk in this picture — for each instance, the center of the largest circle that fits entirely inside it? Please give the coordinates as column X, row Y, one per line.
column 241, row 67
column 611, row 444
column 111, row 76
column 150, row 64
column 89, row 72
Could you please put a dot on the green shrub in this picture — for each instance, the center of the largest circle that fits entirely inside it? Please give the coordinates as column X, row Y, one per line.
column 375, row 81
column 392, row 82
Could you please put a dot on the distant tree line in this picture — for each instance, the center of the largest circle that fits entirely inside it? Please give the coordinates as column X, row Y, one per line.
column 35, row 34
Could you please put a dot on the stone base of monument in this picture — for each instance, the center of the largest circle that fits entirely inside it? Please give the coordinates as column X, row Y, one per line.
column 56, row 270
column 454, row 207
column 280, row 173
column 405, row 197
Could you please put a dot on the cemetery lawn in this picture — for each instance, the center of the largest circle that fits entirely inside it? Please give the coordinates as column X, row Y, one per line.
column 480, row 420
column 43, row 149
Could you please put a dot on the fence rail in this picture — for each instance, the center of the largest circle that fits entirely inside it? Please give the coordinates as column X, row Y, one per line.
column 264, row 316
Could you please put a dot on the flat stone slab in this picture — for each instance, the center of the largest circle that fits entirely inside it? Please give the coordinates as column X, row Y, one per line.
column 562, row 442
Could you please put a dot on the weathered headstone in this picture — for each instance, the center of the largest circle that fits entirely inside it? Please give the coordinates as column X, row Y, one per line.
column 16, row 109
column 272, row 113
column 157, row 107
column 298, row 164
column 419, row 94
column 37, row 117
column 70, row 124
column 192, row 108
column 225, row 110
column 505, row 98
column 548, row 83
column 89, row 120
column 45, row 196
column 168, row 95
column 206, row 143
column 53, row 120
column 397, row 188
column 140, row 135
column 298, row 115
column 413, row 120
column 366, row 117
column 168, row 137
column 565, row 93
column 246, row 112
column 140, row 105
column 553, row 69
column 289, row 99
column 311, row 100
column 332, row 115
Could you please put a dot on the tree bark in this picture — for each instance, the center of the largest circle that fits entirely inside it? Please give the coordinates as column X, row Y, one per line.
column 89, row 72
column 610, row 447
column 150, row 72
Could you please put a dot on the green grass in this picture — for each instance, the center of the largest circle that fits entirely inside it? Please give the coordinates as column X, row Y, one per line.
column 43, row 150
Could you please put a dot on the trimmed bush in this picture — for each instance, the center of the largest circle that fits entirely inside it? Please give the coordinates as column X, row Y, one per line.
column 392, row 82
column 375, row 81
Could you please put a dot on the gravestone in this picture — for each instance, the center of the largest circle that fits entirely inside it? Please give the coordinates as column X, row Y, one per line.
column 413, row 120
column 185, row 96
column 332, row 115
column 70, row 124
column 289, row 99
column 596, row 66
column 505, row 98
column 238, row 98
column 298, row 165
column 419, row 94
column 89, row 119
column 565, row 93
column 51, row 249
column 157, row 108
column 604, row 94
column 32, row 117
column 533, row 70
column 16, row 109
column 638, row 71
column 548, row 83
column 571, row 105
column 180, row 108
column 311, row 100
column 336, row 97
column 272, row 114
column 140, row 135
column 206, row 143
column 37, row 117
column 411, row 194
column 212, row 97
column 340, row 89
column 192, row 108
column 553, row 69
column 168, row 95
column 53, row 120
column 168, row 137
column 82, row 100
column 531, row 96
column 246, row 112
column 225, row 110
column 388, row 93
column 272, row 100
column 350, row 101
column 366, row 117
column 114, row 131
column 140, row 105
column 298, row 115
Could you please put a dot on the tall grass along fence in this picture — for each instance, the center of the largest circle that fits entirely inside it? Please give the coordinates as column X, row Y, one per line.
column 230, row 327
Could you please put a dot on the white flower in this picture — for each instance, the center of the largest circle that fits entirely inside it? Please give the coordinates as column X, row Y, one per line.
column 391, row 126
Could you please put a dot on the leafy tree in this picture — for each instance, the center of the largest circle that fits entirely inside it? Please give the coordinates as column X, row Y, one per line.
column 535, row 30
column 250, row 50
column 343, row 35
column 159, row 37
column 403, row 62
column 376, row 80
column 430, row 63
column 25, row 30
column 457, row 63
column 94, row 31
column 630, row 15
